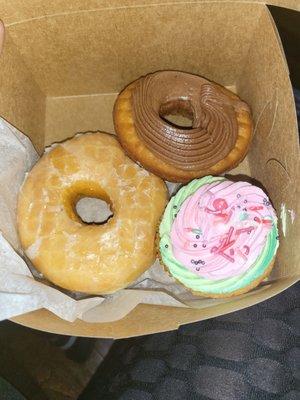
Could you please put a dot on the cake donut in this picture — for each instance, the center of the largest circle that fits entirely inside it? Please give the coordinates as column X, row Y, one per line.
column 217, row 237
column 217, row 140
column 90, row 258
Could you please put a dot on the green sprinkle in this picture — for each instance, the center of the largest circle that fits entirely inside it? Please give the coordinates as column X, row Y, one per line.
column 197, row 231
column 244, row 216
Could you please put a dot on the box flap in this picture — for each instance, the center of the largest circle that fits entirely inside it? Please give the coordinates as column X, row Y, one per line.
column 146, row 319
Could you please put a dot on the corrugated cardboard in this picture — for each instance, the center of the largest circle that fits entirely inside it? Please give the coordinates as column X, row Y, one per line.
column 64, row 62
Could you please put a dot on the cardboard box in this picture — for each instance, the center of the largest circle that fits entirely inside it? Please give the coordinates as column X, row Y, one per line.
column 64, row 62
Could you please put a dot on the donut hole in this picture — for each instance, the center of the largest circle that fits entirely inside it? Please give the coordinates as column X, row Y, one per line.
column 93, row 210
column 177, row 113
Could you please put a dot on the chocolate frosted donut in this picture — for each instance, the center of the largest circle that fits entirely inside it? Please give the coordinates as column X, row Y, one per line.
column 217, row 140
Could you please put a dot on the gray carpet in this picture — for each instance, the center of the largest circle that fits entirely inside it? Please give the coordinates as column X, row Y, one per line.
column 252, row 354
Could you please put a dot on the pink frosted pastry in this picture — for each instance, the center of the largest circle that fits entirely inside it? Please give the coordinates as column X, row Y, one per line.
column 219, row 238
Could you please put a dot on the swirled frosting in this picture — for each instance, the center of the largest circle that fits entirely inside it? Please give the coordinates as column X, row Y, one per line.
column 211, row 108
column 218, row 236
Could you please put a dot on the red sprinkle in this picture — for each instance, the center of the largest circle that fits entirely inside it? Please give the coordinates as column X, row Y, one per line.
column 230, row 232
column 222, row 216
column 249, row 229
column 226, row 256
column 186, row 245
column 209, row 211
column 242, row 255
column 247, row 250
column 266, row 221
column 220, row 204
column 228, row 217
column 227, row 245
column 224, row 245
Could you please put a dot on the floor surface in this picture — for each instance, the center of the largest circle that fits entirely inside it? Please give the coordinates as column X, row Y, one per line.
column 37, row 356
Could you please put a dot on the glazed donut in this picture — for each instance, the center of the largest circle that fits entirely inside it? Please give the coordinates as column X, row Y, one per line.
column 217, row 140
column 90, row 258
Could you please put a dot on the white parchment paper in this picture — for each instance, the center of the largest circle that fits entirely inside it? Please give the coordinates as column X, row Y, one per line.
column 22, row 289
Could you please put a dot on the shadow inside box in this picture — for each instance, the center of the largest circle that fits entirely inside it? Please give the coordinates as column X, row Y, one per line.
column 246, row 178
column 288, row 25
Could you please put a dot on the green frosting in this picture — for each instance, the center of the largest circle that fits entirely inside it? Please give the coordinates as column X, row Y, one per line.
column 196, row 282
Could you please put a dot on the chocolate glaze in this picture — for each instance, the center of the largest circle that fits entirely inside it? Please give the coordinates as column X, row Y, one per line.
column 211, row 108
